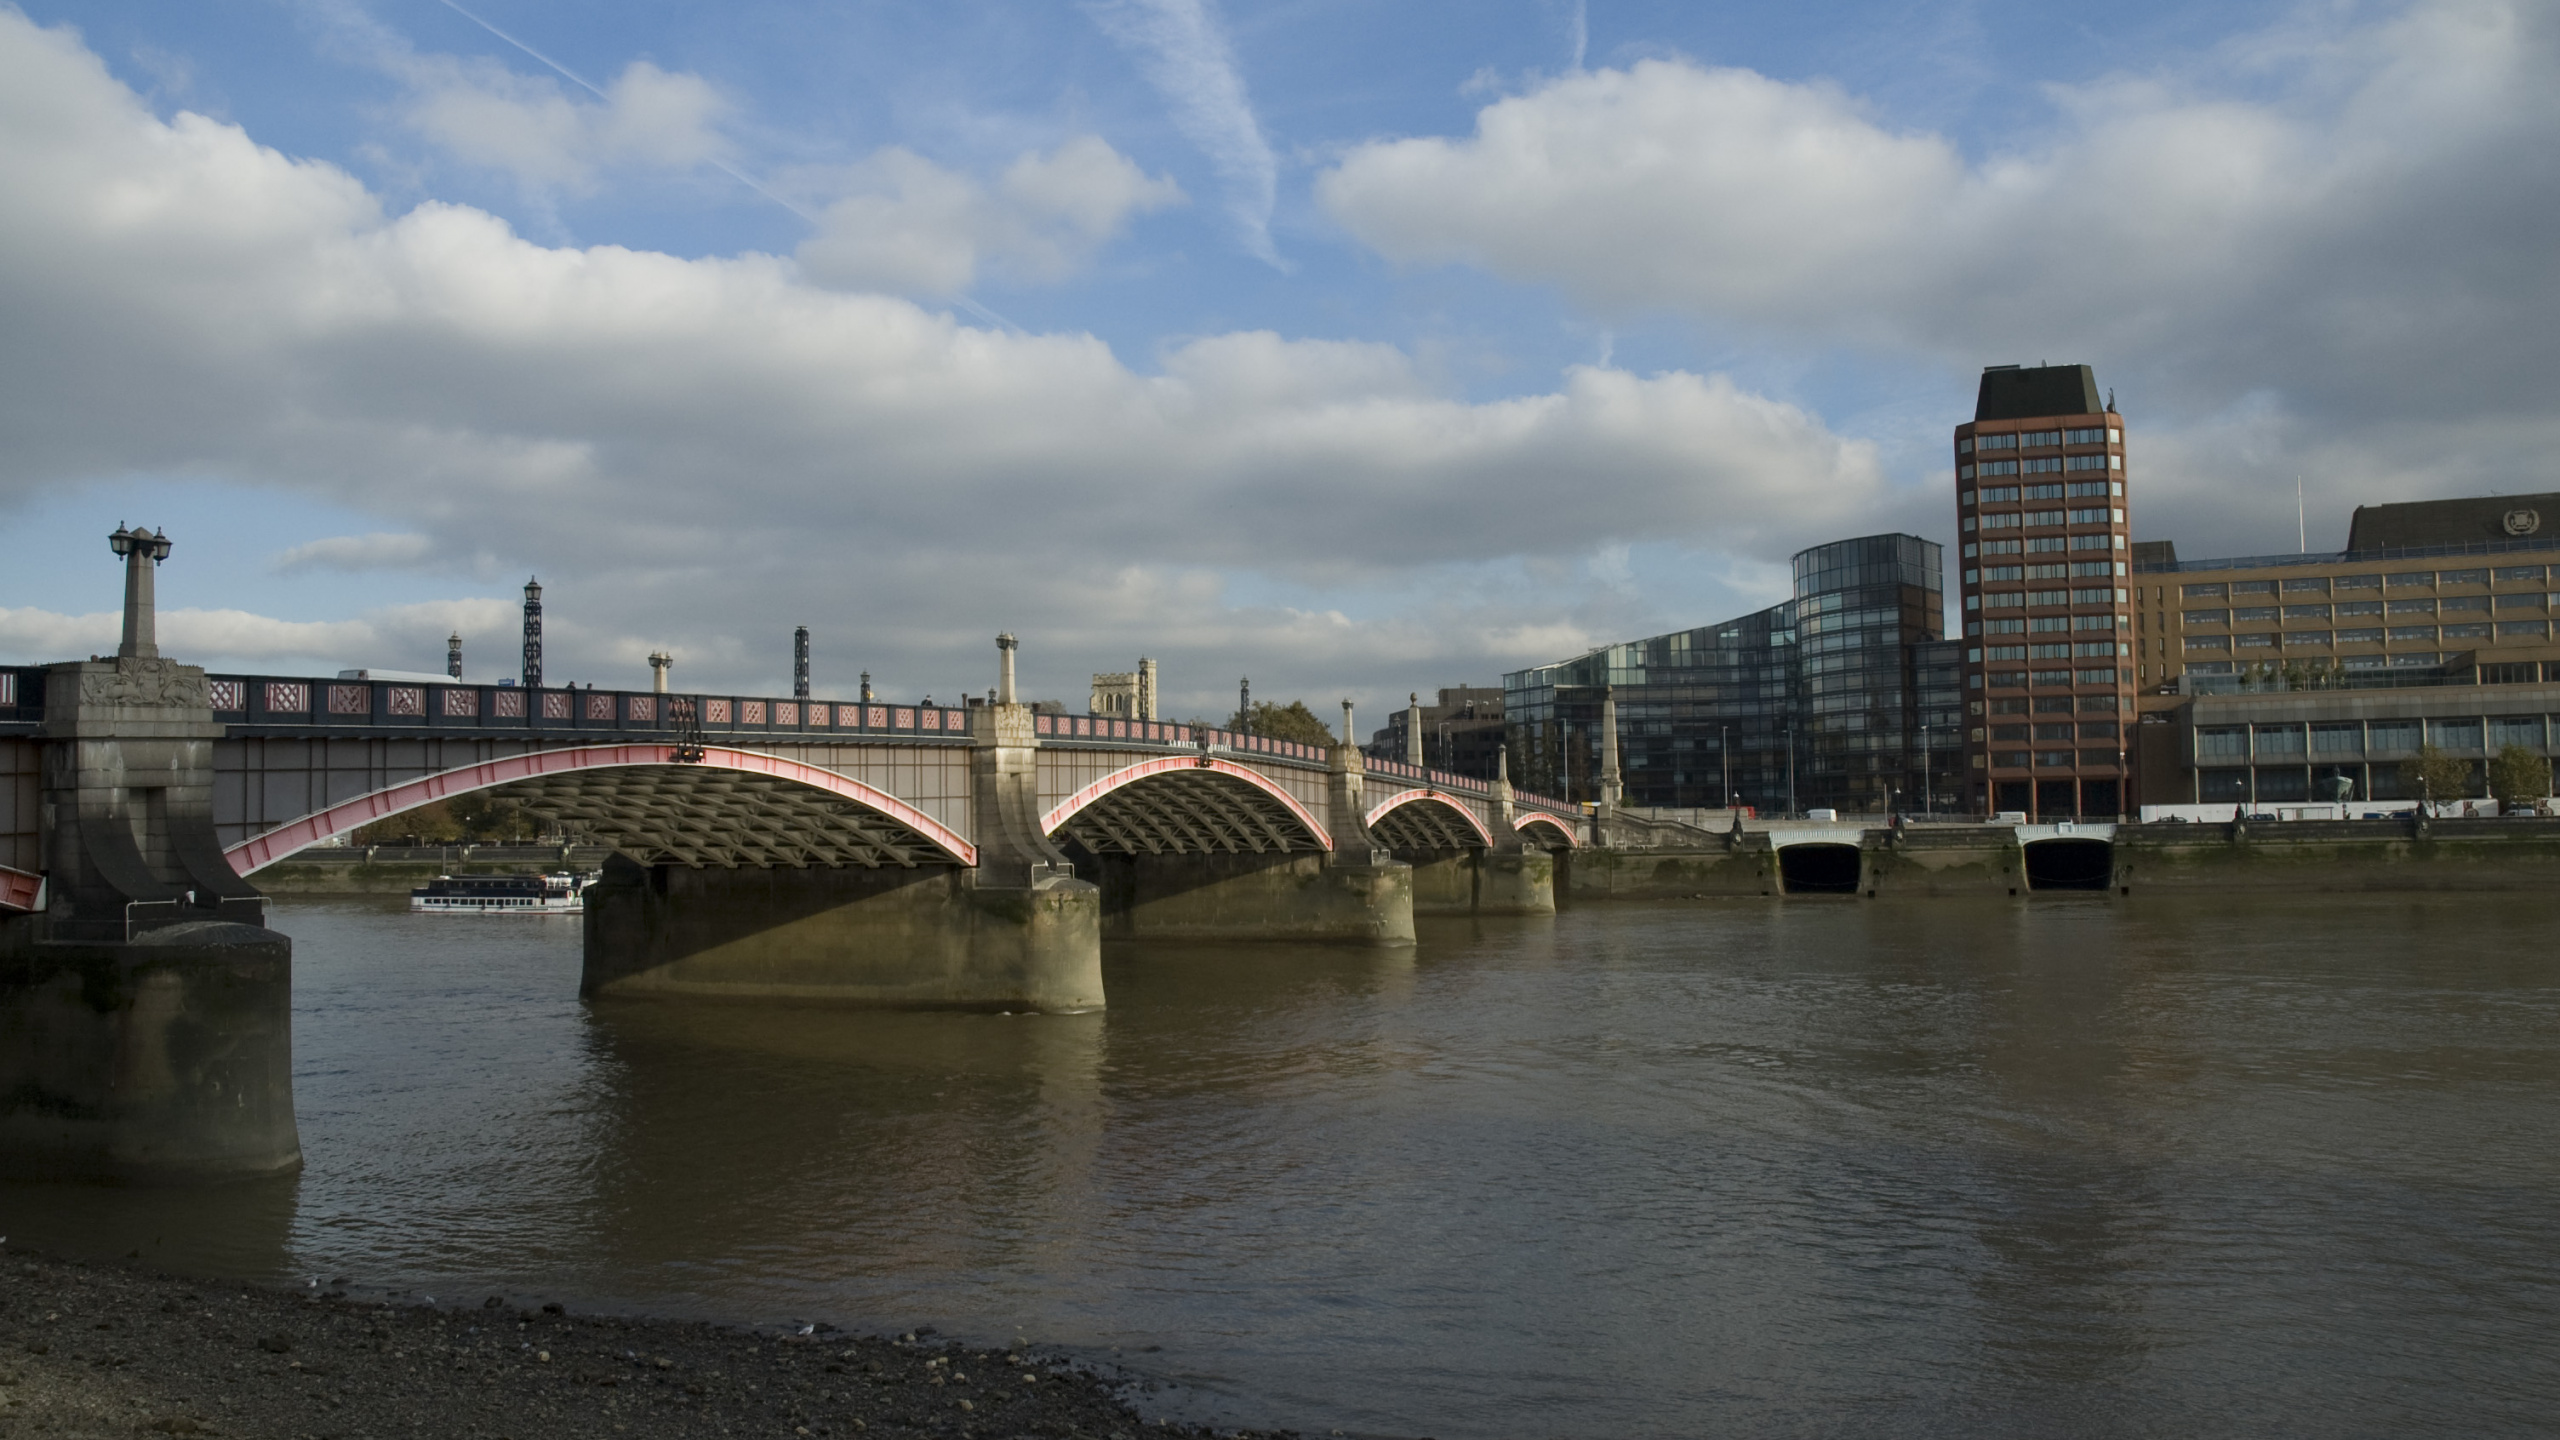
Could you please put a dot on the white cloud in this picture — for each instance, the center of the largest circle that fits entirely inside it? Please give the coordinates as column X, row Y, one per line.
column 2351, row 215
column 543, row 135
column 238, row 639
column 377, row 551
column 702, row 453
column 916, row 228
column 1186, row 57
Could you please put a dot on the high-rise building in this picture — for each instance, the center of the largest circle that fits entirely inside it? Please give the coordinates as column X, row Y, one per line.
column 2041, row 515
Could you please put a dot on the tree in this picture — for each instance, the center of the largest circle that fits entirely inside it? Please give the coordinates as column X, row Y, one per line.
column 2431, row 774
column 1293, row 721
column 427, row 825
column 2519, row 777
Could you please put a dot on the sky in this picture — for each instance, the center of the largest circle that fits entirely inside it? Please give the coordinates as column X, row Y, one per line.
column 1357, row 347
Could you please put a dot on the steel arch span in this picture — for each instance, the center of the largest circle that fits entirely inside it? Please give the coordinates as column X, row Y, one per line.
column 1428, row 820
column 731, row 809
column 1186, row 805
column 1561, row 831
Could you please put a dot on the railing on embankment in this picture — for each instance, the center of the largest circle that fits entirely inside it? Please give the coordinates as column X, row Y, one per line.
column 2334, row 856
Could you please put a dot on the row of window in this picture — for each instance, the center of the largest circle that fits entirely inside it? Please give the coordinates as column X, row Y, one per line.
column 2033, row 519
column 2054, row 760
column 2076, row 570
column 2397, row 580
column 2054, row 730
column 2032, row 439
column 2045, row 625
column 2359, row 737
column 2006, row 599
column 2055, row 705
column 2075, row 650
column 2350, row 609
column 2396, row 635
column 2012, row 679
column 2075, row 490
column 2045, row 465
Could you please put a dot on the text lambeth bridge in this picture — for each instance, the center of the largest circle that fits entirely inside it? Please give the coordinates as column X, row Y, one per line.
column 797, row 850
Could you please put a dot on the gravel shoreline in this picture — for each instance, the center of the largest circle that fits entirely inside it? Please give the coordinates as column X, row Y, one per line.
column 93, row 1350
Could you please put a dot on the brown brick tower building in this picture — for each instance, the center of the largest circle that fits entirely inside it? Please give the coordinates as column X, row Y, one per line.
column 2044, row 545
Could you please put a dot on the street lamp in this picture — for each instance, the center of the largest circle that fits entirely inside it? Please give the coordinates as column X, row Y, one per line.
column 140, row 550
column 1924, row 768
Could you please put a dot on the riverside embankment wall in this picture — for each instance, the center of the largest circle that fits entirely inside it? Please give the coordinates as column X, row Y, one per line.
column 1988, row 860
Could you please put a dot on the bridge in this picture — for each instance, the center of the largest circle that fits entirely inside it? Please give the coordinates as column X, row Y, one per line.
column 768, row 849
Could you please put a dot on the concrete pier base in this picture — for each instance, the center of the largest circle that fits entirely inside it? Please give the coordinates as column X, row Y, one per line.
column 1483, row 882
column 1301, row 896
column 167, row 1058
column 928, row 938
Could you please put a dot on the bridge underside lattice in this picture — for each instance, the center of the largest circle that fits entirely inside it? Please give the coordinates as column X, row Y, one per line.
column 724, row 819
column 1426, row 825
column 1189, row 812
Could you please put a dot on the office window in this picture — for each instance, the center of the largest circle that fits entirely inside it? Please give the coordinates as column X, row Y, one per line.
column 2094, row 650
column 2088, row 542
column 2002, row 547
column 1999, row 494
column 2524, row 730
column 2002, row 520
column 2247, row 614
column 2002, row 572
column 2416, row 634
column 2097, row 597
column 2093, row 622
column 2222, row 742
column 2045, row 624
column 1965, row 446
column 2044, row 517
column 2007, row 652
column 2256, row 641
column 2084, row 437
column 1995, row 442
column 2086, row 490
column 2049, row 465
column 2204, row 592
column 2306, row 612
column 2054, row 730
column 2414, row 660
column 1965, row 497
column 2009, row 732
column 2253, row 587
column 2051, row 677
column 2355, row 582
column 2532, row 600
column 2338, row 738
column 2349, row 608
column 2466, row 632
column 2279, row 739
column 2360, row 637
column 2033, row 438
column 2007, row 627
column 2208, row 642
column 2050, row 652
column 2307, row 585
column 2098, row 704
column 1999, row 467
column 2053, row 759
column 2313, row 638
column 2048, row 597
column 2208, row 617
column 2047, row 544
column 2465, row 602
column 2409, row 579
column 2088, row 517
column 2463, row 577
column 2413, row 607
column 2098, row 729
column 2534, row 628
column 2531, row 574
column 2454, row 734
column 2002, row 599
column 2086, row 462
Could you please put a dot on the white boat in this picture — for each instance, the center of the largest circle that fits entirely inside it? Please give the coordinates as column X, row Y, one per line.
column 560, row 893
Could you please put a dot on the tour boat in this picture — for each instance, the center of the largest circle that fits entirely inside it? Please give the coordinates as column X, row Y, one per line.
column 559, row 893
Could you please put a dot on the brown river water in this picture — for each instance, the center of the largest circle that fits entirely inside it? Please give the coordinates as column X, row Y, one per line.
column 2076, row 1166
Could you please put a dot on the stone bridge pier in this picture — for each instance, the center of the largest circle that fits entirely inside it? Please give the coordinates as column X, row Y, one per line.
column 145, row 1011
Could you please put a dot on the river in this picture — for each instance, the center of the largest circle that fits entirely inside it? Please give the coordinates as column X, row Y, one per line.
column 2080, row 1166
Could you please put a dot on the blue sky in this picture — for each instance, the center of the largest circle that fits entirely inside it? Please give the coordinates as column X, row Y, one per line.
column 1360, row 347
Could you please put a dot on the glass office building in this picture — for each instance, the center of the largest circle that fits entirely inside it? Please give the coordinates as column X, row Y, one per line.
column 1812, row 702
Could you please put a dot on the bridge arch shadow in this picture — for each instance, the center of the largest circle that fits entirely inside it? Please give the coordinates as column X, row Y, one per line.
column 731, row 809
column 1547, row 832
column 1181, row 805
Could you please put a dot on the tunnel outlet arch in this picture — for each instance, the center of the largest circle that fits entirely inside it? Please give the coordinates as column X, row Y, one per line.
column 1820, row 867
column 2070, row 863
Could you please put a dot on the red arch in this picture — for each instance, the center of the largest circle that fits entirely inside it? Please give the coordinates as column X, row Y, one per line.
column 1408, row 797
column 1540, row 817
column 1065, row 810
column 260, row 851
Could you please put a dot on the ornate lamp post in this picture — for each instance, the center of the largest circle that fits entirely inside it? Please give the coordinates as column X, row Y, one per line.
column 142, row 551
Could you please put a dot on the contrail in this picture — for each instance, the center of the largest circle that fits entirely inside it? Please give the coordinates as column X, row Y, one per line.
column 741, row 176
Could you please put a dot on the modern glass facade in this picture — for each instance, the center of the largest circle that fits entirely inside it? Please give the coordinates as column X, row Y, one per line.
column 1860, row 607
column 1808, row 703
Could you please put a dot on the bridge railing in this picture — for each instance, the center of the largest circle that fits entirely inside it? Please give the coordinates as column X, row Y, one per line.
column 1119, row 731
